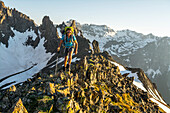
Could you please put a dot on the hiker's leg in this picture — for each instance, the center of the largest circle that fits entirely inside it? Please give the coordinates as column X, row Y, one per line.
column 70, row 56
column 66, row 56
column 65, row 61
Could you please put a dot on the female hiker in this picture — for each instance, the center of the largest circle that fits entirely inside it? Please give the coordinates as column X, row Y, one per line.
column 70, row 43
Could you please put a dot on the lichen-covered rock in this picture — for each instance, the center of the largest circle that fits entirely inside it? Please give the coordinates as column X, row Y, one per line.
column 12, row 88
column 18, row 108
column 51, row 88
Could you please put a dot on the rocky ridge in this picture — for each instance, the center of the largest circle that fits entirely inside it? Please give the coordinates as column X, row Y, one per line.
column 95, row 85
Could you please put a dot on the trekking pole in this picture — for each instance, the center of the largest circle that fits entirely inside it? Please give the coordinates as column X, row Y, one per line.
column 56, row 63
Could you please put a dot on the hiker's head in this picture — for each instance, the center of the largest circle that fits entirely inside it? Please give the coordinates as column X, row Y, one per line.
column 69, row 30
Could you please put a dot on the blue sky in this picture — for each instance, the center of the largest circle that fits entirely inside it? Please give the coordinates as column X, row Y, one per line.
column 143, row 16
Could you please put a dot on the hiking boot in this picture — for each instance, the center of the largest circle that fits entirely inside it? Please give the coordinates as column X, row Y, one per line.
column 64, row 68
column 68, row 67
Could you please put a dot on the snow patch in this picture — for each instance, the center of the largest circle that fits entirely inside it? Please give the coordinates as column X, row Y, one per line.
column 160, row 98
column 75, row 59
column 3, row 35
column 59, row 33
column 156, row 95
column 127, row 60
column 169, row 68
column 78, row 34
column 137, row 82
column 153, row 72
column 18, row 57
column 60, row 60
column 166, row 109
column 121, row 68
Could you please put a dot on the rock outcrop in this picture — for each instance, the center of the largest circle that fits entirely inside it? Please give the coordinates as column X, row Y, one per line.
column 73, row 24
column 18, row 108
column 95, row 46
column 49, row 31
column 11, row 18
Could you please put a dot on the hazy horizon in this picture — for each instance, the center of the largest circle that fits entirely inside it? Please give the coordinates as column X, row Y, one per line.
column 141, row 16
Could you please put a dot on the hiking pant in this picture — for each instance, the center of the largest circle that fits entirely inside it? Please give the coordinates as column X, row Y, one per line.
column 67, row 50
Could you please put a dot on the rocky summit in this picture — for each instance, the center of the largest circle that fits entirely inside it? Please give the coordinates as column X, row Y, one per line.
column 32, row 80
column 95, row 85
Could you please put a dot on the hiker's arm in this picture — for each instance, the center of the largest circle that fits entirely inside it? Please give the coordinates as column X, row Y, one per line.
column 76, row 46
column 61, row 41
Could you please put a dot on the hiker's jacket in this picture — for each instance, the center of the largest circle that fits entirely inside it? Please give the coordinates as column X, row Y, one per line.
column 68, row 42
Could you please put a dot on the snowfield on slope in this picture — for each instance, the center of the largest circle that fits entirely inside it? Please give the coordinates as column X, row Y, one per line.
column 166, row 109
column 140, row 85
column 18, row 57
column 136, row 81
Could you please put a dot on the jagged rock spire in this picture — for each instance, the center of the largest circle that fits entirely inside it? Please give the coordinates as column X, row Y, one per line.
column 95, row 46
column 2, row 5
column 11, row 18
column 49, row 31
column 73, row 24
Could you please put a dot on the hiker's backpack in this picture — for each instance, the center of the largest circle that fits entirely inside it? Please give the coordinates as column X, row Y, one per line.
column 65, row 36
column 65, row 40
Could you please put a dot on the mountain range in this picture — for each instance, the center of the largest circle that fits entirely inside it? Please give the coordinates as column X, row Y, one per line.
column 103, row 78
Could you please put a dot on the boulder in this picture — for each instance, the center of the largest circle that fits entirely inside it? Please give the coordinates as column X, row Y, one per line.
column 18, row 107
